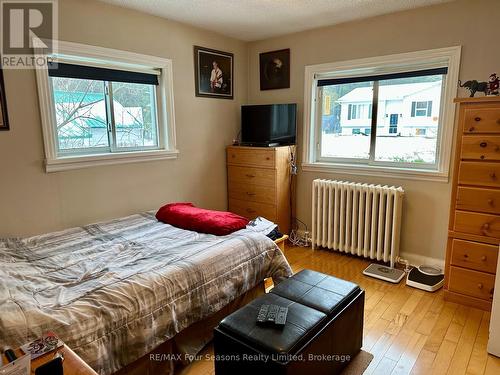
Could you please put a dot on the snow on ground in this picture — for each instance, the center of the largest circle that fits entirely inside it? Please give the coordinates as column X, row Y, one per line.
column 416, row 149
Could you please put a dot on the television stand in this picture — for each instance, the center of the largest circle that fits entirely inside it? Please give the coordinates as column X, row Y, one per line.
column 264, row 144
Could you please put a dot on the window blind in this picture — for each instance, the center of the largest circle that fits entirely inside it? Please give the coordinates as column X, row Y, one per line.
column 381, row 77
column 100, row 74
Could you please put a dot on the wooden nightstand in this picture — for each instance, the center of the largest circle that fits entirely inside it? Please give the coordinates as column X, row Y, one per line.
column 72, row 364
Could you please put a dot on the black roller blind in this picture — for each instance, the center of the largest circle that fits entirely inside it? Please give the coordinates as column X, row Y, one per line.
column 100, row 74
column 381, row 77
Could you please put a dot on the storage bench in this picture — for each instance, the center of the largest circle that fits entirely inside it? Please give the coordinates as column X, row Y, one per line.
column 323, row 330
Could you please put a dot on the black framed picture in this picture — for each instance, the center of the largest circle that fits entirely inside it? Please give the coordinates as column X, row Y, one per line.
column 275, row 69
column 213, row 73
column 4, row 118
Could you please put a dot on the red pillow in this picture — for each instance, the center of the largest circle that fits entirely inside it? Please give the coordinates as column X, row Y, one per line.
column 187, row 216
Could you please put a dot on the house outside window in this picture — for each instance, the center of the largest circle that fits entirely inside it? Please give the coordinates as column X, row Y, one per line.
column 390, row 114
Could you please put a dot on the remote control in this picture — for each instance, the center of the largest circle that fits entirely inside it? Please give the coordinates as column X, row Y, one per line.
column 273, row 311
column 262, row 317
column 281, row 316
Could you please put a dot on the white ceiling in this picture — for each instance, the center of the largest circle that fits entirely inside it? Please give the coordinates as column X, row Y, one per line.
column 259, row 19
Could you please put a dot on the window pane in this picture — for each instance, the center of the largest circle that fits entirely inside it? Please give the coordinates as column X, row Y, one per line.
column 134, row 115
column 346, row 120
column 80, row 114
column 408, row 119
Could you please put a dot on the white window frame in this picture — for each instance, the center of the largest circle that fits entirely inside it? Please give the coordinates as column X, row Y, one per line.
column 83, row 54
column 397, row 63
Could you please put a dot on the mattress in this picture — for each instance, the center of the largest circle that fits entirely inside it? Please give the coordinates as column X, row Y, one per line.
column 114, row 291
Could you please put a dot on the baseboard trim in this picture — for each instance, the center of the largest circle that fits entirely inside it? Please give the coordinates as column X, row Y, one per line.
column 418, row 260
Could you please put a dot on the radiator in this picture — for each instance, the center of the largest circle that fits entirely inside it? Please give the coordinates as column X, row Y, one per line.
column 359, row 219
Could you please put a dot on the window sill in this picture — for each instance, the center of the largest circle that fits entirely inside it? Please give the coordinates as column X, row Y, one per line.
column 378, row 171
column 76, row 162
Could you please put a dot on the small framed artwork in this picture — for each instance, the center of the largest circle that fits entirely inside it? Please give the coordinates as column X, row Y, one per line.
column 275, row 69
column 4, row 118
column 213, row 73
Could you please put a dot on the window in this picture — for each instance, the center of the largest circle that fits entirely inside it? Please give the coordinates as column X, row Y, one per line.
column 104, row 109
column 388, row 114
column 421, row 109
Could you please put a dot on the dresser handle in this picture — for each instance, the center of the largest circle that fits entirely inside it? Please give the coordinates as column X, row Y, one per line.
column 480, row 286
column 250, row 194
column 483, row 144
column 482, row 157
column 483, row 258
column 498, row 121
column 497, row 148
column 250, row 175
column 466, row 255
column 471, row 129
column 250, row 211
column 490, row 202
column 493, row 176
column 268, row 158
column 477, row 119
column 486, row 226
column 233, row 155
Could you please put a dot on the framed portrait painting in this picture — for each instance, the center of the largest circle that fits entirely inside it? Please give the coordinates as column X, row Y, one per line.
column 4, row 118
column 275, row 69
column 213, row 73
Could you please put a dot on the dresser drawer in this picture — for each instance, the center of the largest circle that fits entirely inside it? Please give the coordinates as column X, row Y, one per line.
column 482, row 120
column 251, row 210
column 249, row 175
column 477, row 199
column 253, row 193
column 478, row 224
column 481, row 174
column 260, row 157
column 472, row 283
column 481, row 147
column 474, row 255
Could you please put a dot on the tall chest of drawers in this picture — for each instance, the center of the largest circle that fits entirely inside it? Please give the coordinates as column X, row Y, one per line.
column 258, row 181
column 474, row 230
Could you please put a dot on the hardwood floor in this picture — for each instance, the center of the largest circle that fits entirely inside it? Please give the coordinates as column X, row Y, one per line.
column 408, row 331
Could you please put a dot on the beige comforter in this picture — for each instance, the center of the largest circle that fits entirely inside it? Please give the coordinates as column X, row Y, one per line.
column 113, row 291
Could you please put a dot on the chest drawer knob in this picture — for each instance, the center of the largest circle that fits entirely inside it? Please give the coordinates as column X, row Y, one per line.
column 250, row 211
column 491, row 202
column 493, row 175
column 477, row 119
column 486, row 226
column 250, row 194
column 471, row 129
column 268, row 158
column 466, row 256
column 483, row 144
column 498, row 121
column 483, row 258
column 480, row 286
column 250, row 175
column 482, row 157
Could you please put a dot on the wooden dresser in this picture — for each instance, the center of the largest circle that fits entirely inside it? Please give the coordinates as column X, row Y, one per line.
column 258, row 182
column 474, row 231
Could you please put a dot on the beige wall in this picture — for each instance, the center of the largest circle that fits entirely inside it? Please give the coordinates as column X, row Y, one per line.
column 32, row 201
column 469, row 23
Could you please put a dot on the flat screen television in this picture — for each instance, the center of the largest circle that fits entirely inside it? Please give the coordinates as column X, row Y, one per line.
column 269, row 124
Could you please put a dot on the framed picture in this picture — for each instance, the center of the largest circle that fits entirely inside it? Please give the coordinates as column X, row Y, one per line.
column 4, row 118
column 213, row 73
column 275, row 69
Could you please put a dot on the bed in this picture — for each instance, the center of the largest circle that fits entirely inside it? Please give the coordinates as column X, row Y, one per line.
column 117, row 290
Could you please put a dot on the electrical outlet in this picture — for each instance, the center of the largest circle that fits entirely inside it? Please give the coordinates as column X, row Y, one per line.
column 307, row 236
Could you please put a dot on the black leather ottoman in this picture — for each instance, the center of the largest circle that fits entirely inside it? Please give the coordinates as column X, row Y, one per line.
column 323, row 331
